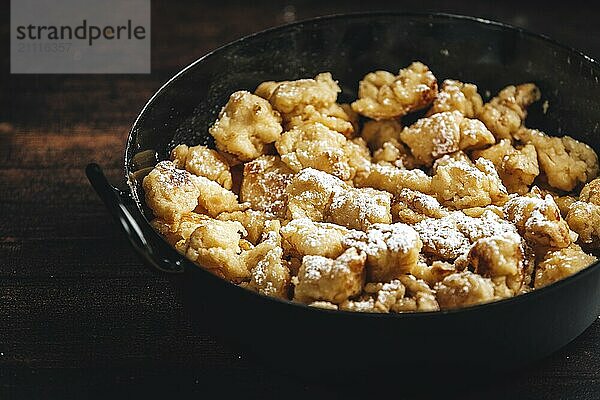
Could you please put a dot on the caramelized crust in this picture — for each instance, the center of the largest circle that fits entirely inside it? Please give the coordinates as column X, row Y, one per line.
column 584, row 218
column 411, row 206
column 392, row 250
column 392, row 179
column 246, row 125
column 558, row 264
column 505, row 113
column 217, row 246
column 292, row 97
column 457, row 96
column 322, row 197
column 591, row 192
column 303, row 237
column 444, row 133
column 170, row 192
column 333, row 280
column 516, row 167
column 202, row 161
column 564, row 161
column 538, row 219
column 382, row 95
column 317, row 146
column 263, row 185
column 464, row 289
column 460, row 185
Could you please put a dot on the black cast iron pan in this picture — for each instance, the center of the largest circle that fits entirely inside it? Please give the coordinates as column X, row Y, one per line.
column 504, row 334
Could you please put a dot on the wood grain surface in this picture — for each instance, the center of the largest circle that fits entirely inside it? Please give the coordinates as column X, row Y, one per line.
column 81, row 317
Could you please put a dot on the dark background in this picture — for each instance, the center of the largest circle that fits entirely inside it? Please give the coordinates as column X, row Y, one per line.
column 81, row 317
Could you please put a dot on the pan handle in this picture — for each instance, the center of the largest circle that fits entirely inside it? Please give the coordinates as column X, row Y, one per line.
column 144, row 240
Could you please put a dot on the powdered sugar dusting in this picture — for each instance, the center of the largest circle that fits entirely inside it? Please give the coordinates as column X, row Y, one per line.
column 267, row 178
column 442, row 238
column 171, row 177
column 321, row 180
column 380, row 238
column 451, row 236
column 314, row 234
column 370, row 205
column 447, row 126
column 489, row 224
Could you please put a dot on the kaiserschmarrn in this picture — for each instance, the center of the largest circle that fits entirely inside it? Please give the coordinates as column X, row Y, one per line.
column 362, row 207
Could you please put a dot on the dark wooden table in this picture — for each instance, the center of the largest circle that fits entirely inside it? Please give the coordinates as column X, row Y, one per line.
column 81, row 317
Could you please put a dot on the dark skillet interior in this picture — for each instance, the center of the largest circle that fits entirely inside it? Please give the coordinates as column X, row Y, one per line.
column 488, row 54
